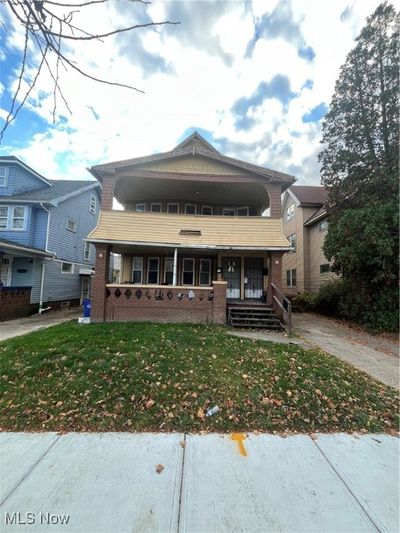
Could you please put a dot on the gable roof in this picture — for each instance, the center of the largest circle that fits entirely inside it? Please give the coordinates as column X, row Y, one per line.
column 317, row 215
column 11, row 159
column 195, row 144
column 309, row 194
column 60, row 190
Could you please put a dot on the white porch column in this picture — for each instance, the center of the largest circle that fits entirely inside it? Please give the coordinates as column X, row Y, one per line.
column 175, row 271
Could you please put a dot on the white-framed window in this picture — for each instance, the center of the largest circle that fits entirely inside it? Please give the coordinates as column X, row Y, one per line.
column 172, row 207
column 291, row 278
column 293, row 241
column 67, row 268
column 71, row 225
column 290, row 212
column 156, row 207
column 242, row 211
column 153, row 268
column 205, row 272
column 188, row 272
column 229, row 211
column 137, row 270
column 3, row 217
column 18, row 220
column 207, row 210
column 141, row 208
column 169, row 270
column 323, row 225
column 92, row 204
column 190, row 209
column 3, row 176
column 86, row 251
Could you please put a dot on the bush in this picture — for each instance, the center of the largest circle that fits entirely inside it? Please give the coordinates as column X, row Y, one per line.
column 329, row 299
column 303, row 302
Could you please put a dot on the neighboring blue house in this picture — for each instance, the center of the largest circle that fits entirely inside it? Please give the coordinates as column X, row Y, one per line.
column 44, row 259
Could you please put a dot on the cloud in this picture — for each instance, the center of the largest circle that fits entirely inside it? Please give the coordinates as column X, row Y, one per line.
column 306, row 52
column 316, row 113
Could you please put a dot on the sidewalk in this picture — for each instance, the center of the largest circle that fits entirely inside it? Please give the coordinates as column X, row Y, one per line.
column 22, row 326
column 107, row 483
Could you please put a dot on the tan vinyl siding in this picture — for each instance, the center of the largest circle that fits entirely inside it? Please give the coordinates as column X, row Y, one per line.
column 316, row 258
column 246, row 232
column 194, row 165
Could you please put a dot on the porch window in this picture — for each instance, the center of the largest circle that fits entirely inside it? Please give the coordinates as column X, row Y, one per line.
column 190, row 209
column 169, row 270
column 141, row 208
column 137, row 270
column 18, row 218
column 229, row 212
column 206, row 210
column 205, row 272
column 188, row 272
column 156, row 207
column 152, row 270
column 3, row 217
column 242, row 211
column 172, row 208
column 291, row 278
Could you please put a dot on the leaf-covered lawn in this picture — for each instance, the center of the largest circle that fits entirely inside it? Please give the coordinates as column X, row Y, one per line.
column 139, row 377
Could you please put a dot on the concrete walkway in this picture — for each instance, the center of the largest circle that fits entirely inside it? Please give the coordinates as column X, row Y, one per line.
column 377, row 355
column 108, row 483
column 22, row 326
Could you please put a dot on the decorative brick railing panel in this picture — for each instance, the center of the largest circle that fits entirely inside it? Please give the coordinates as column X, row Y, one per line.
column 162, row 304
column 15, row 302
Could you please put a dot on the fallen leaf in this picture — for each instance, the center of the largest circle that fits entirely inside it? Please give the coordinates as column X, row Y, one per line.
column 200, row 414
column 182, row 443
column 150, row 403
column 159, row 469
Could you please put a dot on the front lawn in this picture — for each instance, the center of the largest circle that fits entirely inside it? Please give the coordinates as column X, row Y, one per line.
column 142, row 377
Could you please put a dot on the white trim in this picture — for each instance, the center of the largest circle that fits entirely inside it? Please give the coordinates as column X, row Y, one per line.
column 75, row 222
column 244, row 207
column 7, row 208
column 166, row 258
column 4, row 176
column 56, row 201
column 208, row 207
column 139, row 210
column 141, row 270
column 290, row 206
column 193, row 271
column 87, row 247
column 25, row 217
column 92, row 210
column 156, row 203
column 72, row 268
column 209, row 272
column 158, row 270
column 173, row 203
column 191, row 205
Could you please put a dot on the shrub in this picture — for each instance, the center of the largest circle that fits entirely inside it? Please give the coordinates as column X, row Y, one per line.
column 329, row 299
column 303, row 302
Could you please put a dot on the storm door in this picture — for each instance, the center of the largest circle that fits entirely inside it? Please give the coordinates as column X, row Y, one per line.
column 253, row 277
column 231, row 272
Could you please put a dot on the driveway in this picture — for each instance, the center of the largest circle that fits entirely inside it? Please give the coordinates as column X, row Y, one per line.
column 377, row 355
column 21, row 326
column 108, row 483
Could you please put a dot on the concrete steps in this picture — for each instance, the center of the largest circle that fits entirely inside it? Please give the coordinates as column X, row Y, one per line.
column 248, row 316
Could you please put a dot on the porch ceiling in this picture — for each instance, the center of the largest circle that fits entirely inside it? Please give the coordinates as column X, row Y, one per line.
column 228, row 191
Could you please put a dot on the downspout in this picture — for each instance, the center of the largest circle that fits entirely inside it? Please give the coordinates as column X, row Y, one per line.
column 175, row 271
column 41, row 310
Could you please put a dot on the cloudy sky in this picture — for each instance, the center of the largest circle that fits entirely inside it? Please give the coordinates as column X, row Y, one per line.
column 255, row 78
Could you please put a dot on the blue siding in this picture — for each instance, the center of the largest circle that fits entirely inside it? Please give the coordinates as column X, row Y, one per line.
column 20, row 180
column 40, row 229
column 67, row 244
column 59, row 286
column 36, row 281
column 22, row 279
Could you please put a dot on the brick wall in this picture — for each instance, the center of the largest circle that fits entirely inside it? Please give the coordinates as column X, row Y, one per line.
column 107, row 192
column 99, row 282
column 127, row 303
column 15, row 302
column 274, row 191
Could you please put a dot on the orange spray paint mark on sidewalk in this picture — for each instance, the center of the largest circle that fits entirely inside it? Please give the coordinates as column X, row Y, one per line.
column 239, row 438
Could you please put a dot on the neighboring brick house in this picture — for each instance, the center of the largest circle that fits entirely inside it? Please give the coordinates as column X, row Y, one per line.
column 43, row 256
column 191, row 237
column 305, row 223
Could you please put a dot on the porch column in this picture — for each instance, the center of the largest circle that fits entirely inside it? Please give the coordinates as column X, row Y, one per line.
column 175, row 271
column 99, row 282
column 107, row 193
column 275, row 273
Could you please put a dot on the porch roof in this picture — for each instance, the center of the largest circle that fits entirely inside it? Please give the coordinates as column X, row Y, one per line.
column 189, row 231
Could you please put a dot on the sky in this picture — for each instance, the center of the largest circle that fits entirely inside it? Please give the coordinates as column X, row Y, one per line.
column 255, row 78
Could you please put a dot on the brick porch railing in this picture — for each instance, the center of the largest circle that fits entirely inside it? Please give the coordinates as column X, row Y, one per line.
column 15, row 302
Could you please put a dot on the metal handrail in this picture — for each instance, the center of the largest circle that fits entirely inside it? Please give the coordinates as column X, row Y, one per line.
column 286, row 312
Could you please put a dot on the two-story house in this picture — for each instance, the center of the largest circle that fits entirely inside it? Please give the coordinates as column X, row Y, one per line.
column 191, row 237
column 44, row 258
column 305, row 223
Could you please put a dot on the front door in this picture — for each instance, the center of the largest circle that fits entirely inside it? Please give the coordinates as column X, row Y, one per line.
column 5, row 270
column 231, row 271
column 253, row 277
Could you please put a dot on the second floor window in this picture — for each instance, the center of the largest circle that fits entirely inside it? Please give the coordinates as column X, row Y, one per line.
column 13, row 218
column 323, row 225
column 293, row 241
column 290, row 212
column 3, row 176
column 92, row 204
column 71, row 225
column 86, row 251
column 206, row 210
